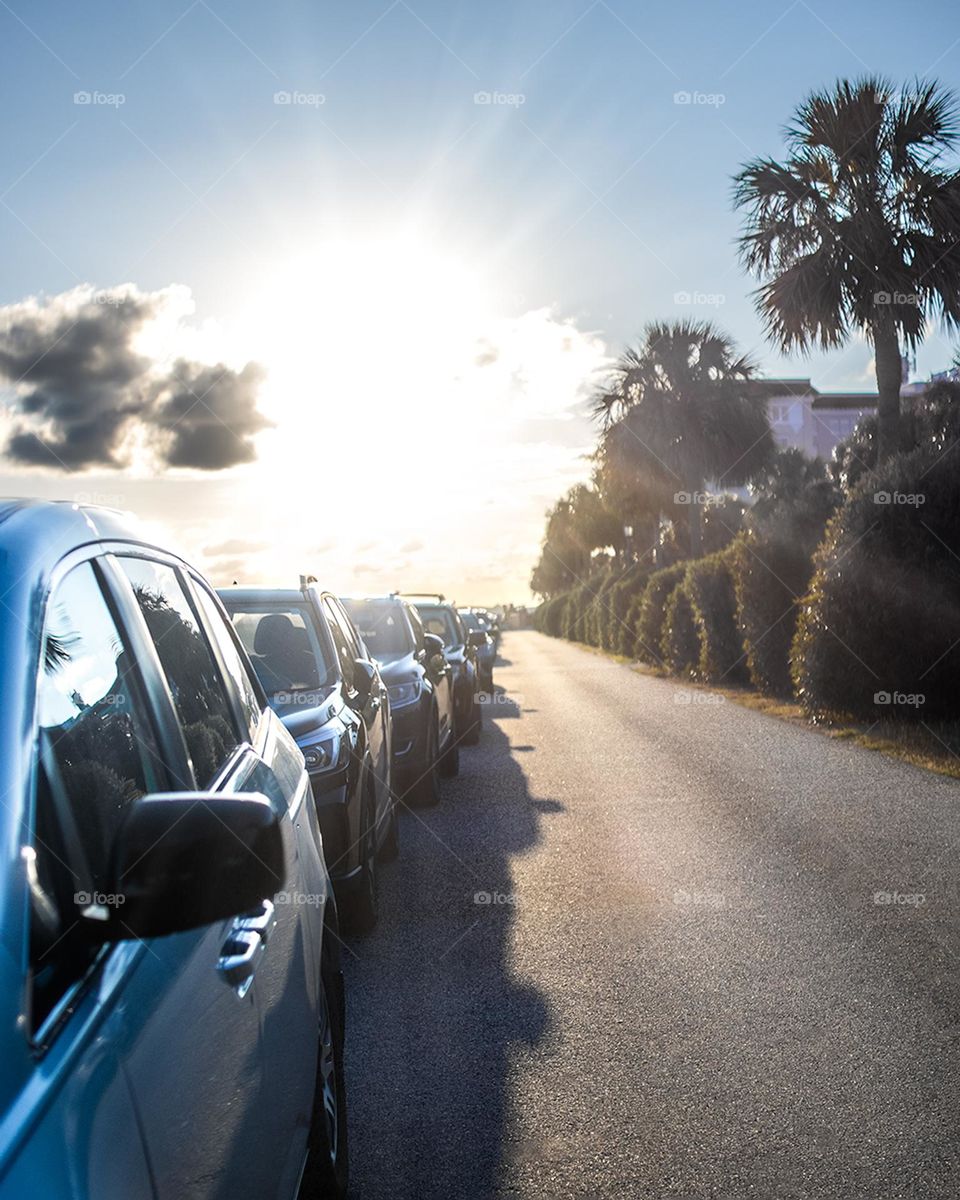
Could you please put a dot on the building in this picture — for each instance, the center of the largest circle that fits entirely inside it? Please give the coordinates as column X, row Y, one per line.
column 803, row 418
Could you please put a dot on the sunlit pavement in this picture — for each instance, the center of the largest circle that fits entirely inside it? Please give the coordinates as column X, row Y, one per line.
column 653, row 946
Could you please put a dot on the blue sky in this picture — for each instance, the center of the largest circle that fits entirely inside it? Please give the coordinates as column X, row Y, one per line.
column 584, row 188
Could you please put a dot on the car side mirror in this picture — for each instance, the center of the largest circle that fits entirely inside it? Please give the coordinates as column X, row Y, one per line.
column 364, row 676
column 477, row 638
column 432, row 649
column 185, row 859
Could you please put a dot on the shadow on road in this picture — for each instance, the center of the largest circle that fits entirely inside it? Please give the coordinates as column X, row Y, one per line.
column 434, row 1011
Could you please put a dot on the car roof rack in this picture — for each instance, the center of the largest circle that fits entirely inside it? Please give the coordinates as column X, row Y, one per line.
column 306, row 580
column 439, row 596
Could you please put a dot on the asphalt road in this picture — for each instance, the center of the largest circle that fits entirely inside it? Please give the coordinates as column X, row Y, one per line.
column 720, row 957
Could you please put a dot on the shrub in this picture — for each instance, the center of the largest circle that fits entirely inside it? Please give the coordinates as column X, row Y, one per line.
column 680, row 640
column 549, row 617
column 709, row 585
column 571, row 626
column 879, row 630
column 618, row 635
column 772, row 564
column 649, row 621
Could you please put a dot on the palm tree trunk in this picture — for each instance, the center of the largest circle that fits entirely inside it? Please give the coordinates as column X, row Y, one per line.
column 696, row 534
column 889, row 367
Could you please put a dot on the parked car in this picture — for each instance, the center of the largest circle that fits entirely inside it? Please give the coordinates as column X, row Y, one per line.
column 170, row 1027
column 493, row 620
column 480, row 637
column 442, row 619
column 322, row 683
column 420, row 684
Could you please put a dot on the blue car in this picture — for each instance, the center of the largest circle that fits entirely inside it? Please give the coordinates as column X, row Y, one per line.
column 171, row 1002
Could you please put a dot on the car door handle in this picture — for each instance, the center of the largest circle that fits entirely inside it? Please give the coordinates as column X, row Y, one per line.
column 262, row 920
column 238, row 963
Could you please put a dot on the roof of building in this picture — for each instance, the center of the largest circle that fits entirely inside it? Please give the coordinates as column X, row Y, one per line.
column 854, row 400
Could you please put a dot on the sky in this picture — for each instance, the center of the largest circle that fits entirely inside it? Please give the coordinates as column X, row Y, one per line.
column 326, row 287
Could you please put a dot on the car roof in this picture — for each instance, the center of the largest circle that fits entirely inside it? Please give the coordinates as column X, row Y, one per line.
column 261, row 595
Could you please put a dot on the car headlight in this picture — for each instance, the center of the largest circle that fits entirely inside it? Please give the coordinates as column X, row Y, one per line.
column 323, row 754
column 404, row 693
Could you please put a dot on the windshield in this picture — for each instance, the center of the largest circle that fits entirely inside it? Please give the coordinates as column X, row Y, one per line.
column 439, row 620
column 284, row 647
column 383, row 627
column 473, row 621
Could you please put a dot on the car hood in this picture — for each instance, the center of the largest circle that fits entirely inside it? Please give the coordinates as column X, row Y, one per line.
column 399, row 668
column 304, row 712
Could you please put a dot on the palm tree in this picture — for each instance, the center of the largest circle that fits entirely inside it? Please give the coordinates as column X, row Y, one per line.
column 859, row 228
column 679, row 410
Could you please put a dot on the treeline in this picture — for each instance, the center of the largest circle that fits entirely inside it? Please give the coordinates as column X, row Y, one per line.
column 839, row 584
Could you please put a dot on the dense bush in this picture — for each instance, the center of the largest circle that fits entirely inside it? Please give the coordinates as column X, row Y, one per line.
column 709, row 586
column 680, row 640
column 771, row 566
column 572, row 624
column 618, row 634
column 879, row 631
column 649, row 622
column 549, row 616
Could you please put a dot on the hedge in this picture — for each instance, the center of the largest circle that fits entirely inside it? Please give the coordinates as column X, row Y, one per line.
column 680, row 640
column 709, row 586
column 879, row 630
column 649, row 621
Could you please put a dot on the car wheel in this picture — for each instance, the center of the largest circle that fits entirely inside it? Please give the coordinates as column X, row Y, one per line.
column 361, row 911
column 426, row 791
column 391, row 843
column 476, row 725
column 328, row 1162
column 450, row 762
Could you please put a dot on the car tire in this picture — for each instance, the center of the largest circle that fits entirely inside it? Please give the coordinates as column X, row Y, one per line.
column 425, row 793
column 476, row 724
column 362, row 907
column 326, row 1175
column 390, row 850
column 450, row 762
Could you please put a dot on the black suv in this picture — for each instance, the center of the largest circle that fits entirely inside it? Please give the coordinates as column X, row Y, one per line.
column 442, row 619
column 420, row 686
column 320, row 681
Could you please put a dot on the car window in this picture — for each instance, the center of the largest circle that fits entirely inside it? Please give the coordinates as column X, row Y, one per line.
column 354, row 640
column 382, row 625
column 439, row 620
column 202, row 702
column 237, row 670
column 97, row 756
column 285, row 647
column 416, row 624
column 341, row 641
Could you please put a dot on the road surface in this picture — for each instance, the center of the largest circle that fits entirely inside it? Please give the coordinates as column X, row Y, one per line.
column 654, row 946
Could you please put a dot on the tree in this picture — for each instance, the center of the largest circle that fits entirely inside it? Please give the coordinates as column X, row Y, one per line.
column 859, row 228
column 678, row 410
column 577, row 525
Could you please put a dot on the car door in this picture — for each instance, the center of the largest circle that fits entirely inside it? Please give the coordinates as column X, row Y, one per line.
column 195, row 1062
column 372, row 708
column 73, row 1130
column 287, row 980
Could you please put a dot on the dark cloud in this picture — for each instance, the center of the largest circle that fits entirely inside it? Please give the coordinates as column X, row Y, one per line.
column 83, row 394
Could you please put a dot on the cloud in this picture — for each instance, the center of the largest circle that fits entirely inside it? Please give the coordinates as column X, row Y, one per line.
column 234, row 546
column 86, row 392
